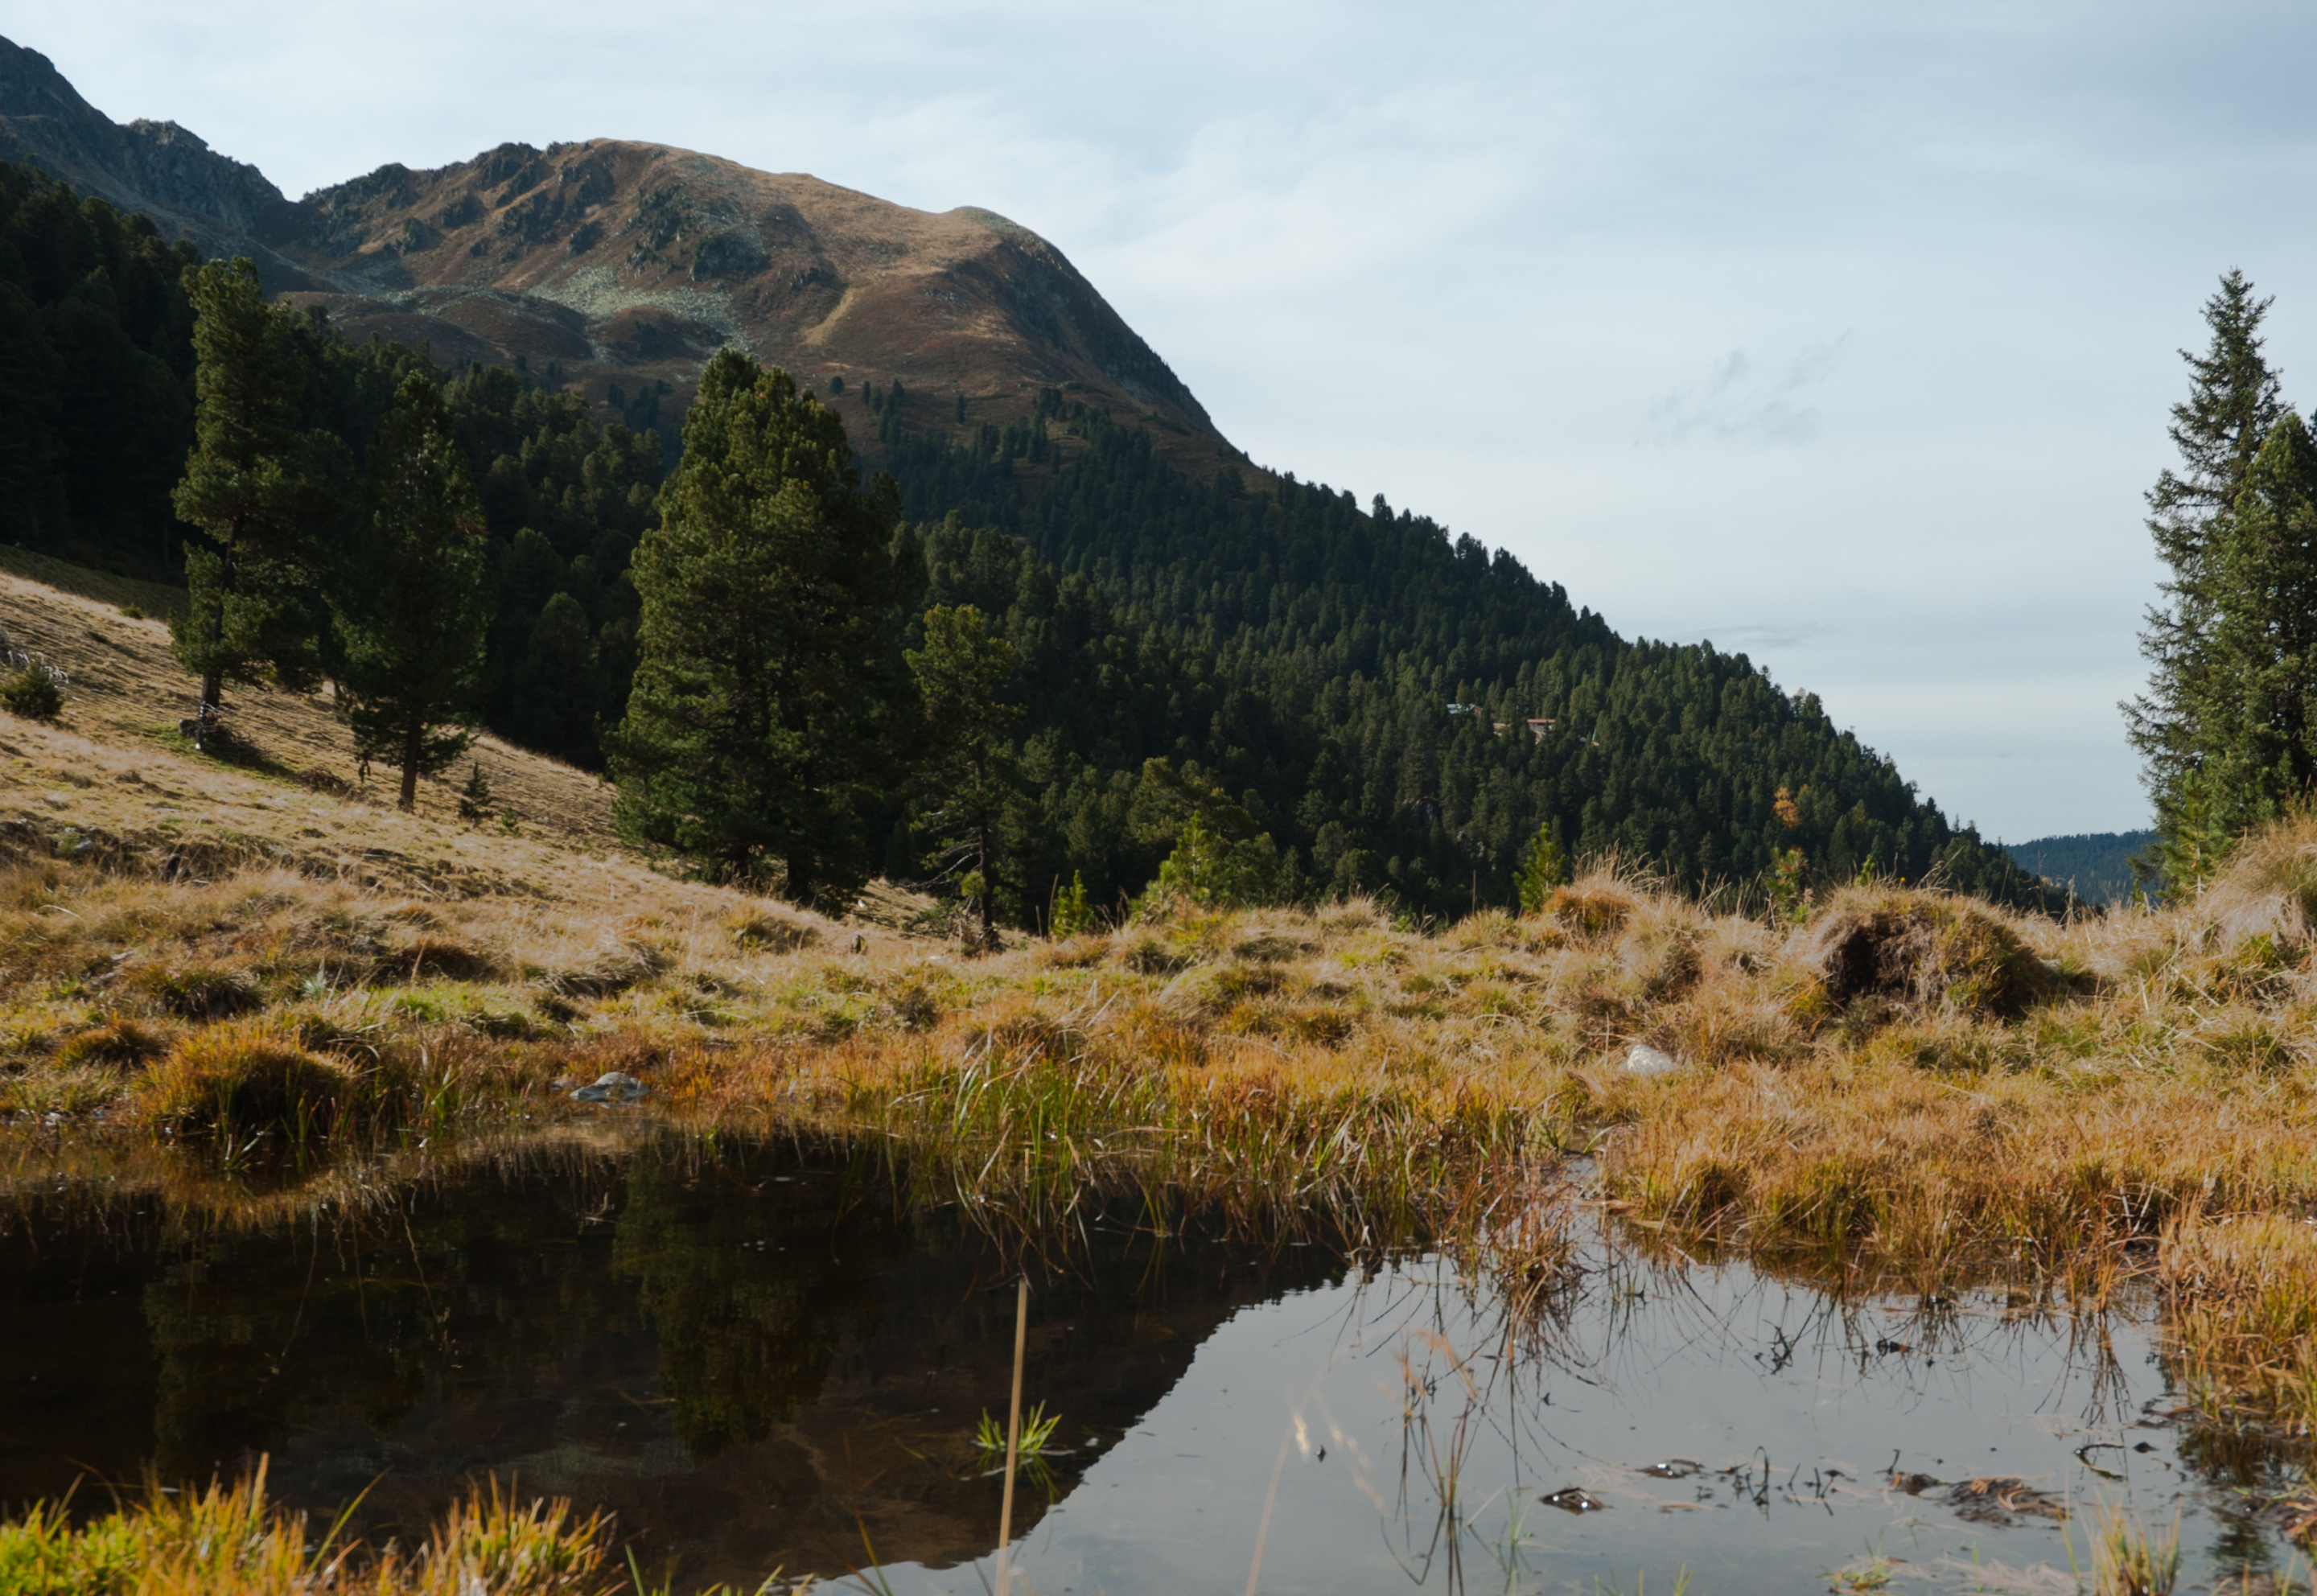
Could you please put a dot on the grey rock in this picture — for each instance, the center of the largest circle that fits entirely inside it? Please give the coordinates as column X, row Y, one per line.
column 612, row 1086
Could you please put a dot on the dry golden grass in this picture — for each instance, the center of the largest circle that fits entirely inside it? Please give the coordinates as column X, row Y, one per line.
column 1909, row 1086
column 127, row 695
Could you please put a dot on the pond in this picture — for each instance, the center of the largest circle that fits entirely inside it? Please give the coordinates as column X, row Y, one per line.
column 768, row 1356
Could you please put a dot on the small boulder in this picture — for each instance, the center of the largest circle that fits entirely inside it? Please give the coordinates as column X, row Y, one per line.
column 1646, row 1060
column 612, row 1086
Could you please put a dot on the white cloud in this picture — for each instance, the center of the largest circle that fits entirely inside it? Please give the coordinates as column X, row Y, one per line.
column 1741, row 403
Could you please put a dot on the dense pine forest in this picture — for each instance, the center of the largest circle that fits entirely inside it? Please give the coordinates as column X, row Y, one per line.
column 1401, row 706
column 1316, row 698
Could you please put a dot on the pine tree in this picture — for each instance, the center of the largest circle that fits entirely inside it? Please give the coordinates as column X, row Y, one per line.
column 764, row 727
column 1543, row 869
column 410, row 606
column 256, row 485
column 2256, row 703
column 2232, row 406
column 960, row 672
column 475, row 797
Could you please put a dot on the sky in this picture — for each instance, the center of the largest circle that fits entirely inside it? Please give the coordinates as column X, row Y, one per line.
column 1842, row 335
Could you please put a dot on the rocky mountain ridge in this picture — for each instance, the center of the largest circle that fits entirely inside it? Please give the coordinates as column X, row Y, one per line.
column 616, row 268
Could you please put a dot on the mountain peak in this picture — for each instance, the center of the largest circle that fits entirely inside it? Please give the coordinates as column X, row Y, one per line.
column 614, row 263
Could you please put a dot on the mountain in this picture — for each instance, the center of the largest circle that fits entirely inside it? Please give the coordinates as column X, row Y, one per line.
column 189, row 190
column 624, row 265
column 1352, row 699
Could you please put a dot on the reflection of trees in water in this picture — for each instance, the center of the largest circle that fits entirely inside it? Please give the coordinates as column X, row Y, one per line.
column 752, row 1283
column 262, row 1333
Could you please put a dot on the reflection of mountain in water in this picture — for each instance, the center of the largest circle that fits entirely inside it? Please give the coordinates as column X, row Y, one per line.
column 734, row 1354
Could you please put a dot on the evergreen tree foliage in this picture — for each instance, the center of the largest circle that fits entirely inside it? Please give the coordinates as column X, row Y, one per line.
column 967, row 753
column 96, row 377
column 259, row 484
column 411, row 607
column 2232, row 408
column 2255, row 701
column 566, row 499
column 769, row 697
column 475, row 797
column 1542, row 867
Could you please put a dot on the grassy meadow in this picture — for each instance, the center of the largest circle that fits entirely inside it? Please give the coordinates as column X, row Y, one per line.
column 210, row 968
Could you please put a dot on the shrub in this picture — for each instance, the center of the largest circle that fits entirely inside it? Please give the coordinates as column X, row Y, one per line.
column 247, row 1076
column 32, row 692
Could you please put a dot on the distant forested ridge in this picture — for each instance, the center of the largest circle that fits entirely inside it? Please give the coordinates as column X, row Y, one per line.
column 2096, row 866
column 1402, row 708
column 1355, row 699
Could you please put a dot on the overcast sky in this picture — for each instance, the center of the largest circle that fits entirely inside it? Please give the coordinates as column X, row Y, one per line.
column 1842, row 335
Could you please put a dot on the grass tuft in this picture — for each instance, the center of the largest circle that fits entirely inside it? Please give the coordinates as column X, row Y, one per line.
column 246, row 1076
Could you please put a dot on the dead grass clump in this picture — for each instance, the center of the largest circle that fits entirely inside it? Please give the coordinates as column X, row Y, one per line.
column 609, row 975
column 440, row 957
column 1591, row 910
column 1077, row 953
column 2269, row 888
column 123, row 1044
column 763, row 932
column 914, row 1006
column 1925, row 950
column 203, row 992
column 1148, row 956
column 245, row 1076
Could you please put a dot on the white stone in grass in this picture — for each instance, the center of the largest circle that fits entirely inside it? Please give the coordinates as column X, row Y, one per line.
column 1646, row 1060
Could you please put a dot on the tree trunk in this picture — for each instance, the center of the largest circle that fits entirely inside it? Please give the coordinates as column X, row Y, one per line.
column 981, row 868
column 799, row 884
column 408, row 802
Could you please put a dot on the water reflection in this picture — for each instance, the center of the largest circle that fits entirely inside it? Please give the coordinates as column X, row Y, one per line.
column 758, row 1359
column 766, row 1356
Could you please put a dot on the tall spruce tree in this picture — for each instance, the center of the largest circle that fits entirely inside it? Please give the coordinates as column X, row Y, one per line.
column 2257, row 704
column 2232, row 406
column 257, row 484
column 762, row 730
column 410, row 603
column 969, row 764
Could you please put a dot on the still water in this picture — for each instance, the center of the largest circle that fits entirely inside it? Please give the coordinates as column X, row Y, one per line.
column 764, row 1359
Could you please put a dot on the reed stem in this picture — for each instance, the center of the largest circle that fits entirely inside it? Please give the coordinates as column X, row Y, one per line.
column 1013, row 1439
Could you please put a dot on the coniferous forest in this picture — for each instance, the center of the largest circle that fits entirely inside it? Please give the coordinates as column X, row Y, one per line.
column 1272, row 690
